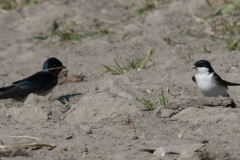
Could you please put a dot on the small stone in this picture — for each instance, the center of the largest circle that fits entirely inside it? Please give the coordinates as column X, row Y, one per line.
column 157, row 111
column 134, row 137
column 200, row 132
column 233, row 117
column 49, row 113
column 85, row 129
column 69, row 137
column 84, row 149
column 166, row 113
column 180, row 134
column 8, row 115
column 156, row 158
column 205, row 141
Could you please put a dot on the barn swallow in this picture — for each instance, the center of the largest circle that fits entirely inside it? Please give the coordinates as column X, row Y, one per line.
column 41, row 83
column 209, row 82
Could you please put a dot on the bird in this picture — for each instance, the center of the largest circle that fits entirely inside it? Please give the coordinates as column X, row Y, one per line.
column 209, row 82
column 40, row 83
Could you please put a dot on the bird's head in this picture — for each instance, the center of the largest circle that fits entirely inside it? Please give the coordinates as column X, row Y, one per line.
column 53, row 66
column 203, row 66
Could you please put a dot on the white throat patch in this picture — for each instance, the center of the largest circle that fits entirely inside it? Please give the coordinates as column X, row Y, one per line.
column 202, row 70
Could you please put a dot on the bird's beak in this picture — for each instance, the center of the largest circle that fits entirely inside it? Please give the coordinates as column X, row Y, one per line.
column 194, row 67
column 64, row 67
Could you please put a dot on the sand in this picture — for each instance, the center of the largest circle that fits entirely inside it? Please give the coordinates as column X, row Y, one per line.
column 104, row 118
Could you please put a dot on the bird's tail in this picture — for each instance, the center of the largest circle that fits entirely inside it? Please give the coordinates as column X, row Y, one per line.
column 12, row 92
column 231, row 84
column 3, row 89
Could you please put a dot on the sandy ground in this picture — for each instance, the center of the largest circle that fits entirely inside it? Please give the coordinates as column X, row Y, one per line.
column 104, row 118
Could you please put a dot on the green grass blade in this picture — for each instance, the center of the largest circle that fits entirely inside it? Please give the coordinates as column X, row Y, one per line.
column 160, row 101
column 205, row 49
column 190, row 34
column 147, row 58
column 119, row 67
column 65, row 101
column 208, row 3
column 124, row 67
column 149, row 105
column 211, row 16
column 129, row 63
column 149, row 66
column 136, row 64
column 40, row 37
column 112, row 71
column 163, row 99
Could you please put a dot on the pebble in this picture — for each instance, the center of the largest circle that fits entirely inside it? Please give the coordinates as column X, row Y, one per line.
column 157, row 111
column 134, row 137
column 84, row 149
column 85, row 129
column 156, row 158
column 166, row 113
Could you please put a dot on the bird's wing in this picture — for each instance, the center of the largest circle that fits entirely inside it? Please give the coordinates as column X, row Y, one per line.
column 225, row 83
column 217, row 79
column 31, row 81
column 37, row 81
column 194, row 79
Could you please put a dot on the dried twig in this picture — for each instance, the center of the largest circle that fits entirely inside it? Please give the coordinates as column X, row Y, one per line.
column 36, row 138
column 2, row 147
column 73, row 78
column 148, row 91
column 98, row 156
column 199, row 19
column 53, row 68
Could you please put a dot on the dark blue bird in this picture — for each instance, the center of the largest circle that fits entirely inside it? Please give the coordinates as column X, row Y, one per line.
column 41, row 83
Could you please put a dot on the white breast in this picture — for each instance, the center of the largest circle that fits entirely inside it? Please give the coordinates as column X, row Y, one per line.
column 210, row 89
